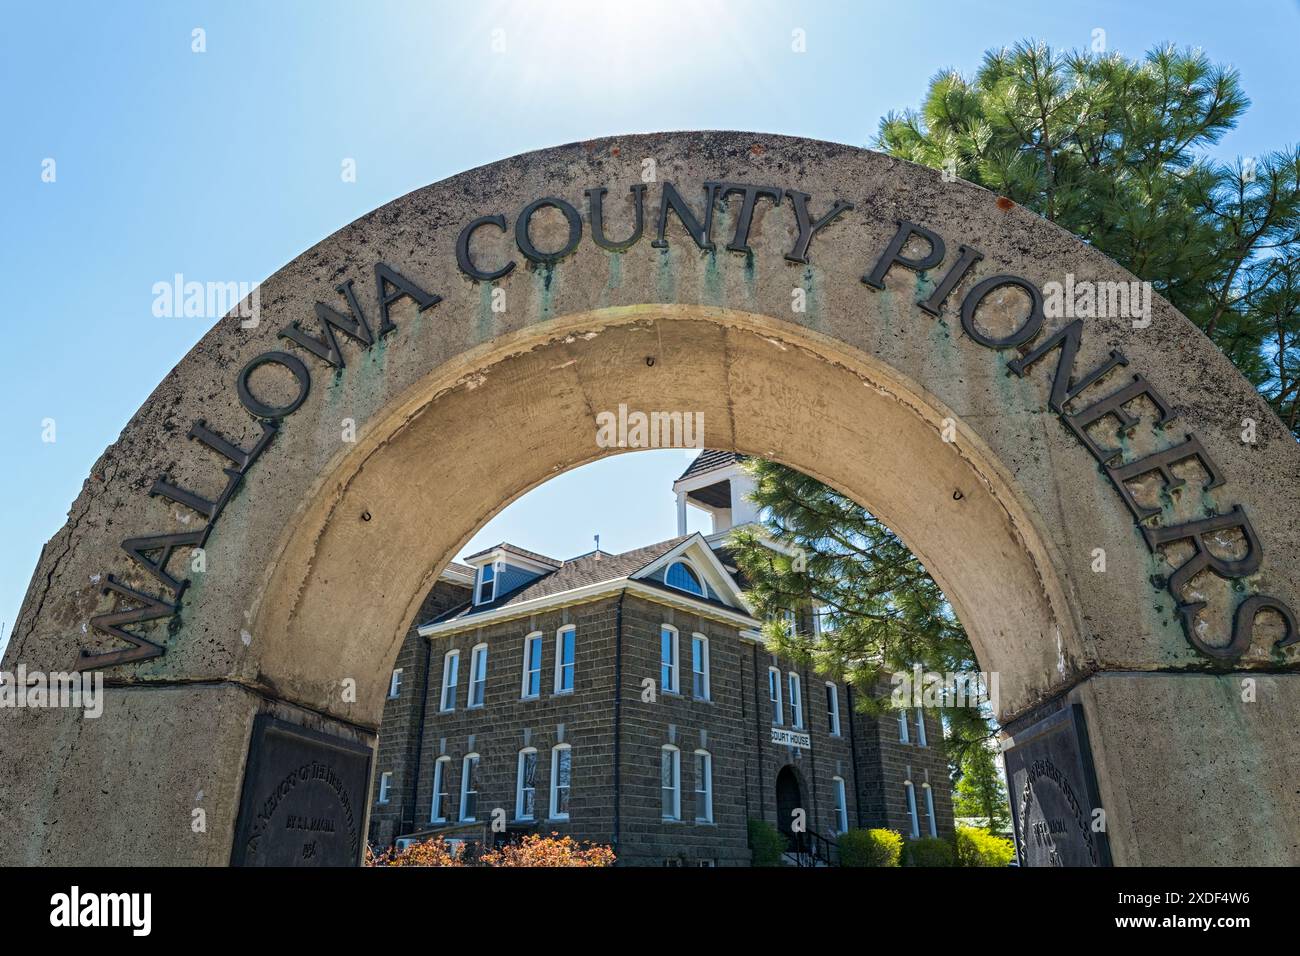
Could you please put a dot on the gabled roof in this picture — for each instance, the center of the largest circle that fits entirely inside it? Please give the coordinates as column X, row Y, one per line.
column 521, row 552
column 710, row 459
column 586, row 574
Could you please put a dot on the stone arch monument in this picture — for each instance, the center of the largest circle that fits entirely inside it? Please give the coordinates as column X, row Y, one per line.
column 1070, row 465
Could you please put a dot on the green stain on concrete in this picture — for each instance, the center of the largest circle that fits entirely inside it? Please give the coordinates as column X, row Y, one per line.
column 615, row 280
column 546, row 280
column 812, row 298
column 665, row 279
column 483, row 327
column 715, row 292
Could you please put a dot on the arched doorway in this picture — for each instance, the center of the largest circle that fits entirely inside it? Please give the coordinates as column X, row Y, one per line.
column 340, row 464
column 789, row 798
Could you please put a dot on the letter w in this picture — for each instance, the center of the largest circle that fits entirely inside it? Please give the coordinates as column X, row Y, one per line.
column 327, row 347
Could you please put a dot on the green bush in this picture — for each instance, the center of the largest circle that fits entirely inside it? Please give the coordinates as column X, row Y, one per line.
column 870, row 847
column 929, row 851
column 766, row 842
column 981, row 848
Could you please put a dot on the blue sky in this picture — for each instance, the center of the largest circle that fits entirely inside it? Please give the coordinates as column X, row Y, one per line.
column 224, row 165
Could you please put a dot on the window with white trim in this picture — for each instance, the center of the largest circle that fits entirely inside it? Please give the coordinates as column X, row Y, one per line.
column 790, row 619
column 487, row 583
column 565, row 641
column 438, row 812
column 532, row 682
column 700, row 667
column 841, row 805
column 920, row 727
column 561, row 780
column 395, row 683
column 774, row 695
column 668, row 659
column 526, row 785
column 450, row 674
column 929, row 808
column 910, row 791
column 670, row 782
column 796, row 701
column 832, row 709
column 385, row 782
column 468, row 788
column 703, row 787
column 478, row 675
column 902, row 726
column 682, row 576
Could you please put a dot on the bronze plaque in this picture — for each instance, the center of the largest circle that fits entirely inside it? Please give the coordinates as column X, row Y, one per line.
column 304, row 798
column 1055, row 808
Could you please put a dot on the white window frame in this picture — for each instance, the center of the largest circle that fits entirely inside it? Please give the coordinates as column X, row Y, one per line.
column 795, row 690
column 674, row 669
column 559, row 660
column 395, row 684
column 791, row 619
column 450, row 668
column 524, row 693
column 439, row 789
column 705, row 691
column 555, row 780
column 704, row 589
column 466, row 777
column 478, row 653
column 841, row 805
column 833, row 709
column 920, row 727
column 929, row 808
column 705, row 792
column 674, row 756
column 774, row 684
column 385, row 784
column 903, row 736
column 497, row 567
column 911, row 808
column 519, row 785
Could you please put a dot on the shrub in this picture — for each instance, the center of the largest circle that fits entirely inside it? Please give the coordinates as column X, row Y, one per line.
column 870, row 848
column 435, row 852
column 981, row 848
column 766, row 842
column 555, row 850
column 929, row 851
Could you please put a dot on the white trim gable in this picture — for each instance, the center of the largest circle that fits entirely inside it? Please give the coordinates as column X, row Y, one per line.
column 696, row 551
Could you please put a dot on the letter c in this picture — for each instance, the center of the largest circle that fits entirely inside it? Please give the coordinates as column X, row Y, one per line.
column 462, row 250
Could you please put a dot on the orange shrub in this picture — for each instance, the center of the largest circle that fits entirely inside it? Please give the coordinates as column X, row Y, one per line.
column 433, row 852
column 555, row 850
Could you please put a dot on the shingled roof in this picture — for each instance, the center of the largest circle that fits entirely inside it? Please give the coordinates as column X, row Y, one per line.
column 592, row 568
column 710, row 459
column 514, row 549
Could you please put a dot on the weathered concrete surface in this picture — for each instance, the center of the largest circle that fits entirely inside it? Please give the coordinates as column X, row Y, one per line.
column 463, row 408
column 1189, row 771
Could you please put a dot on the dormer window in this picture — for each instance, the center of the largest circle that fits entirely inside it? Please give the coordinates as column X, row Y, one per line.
column 683, row 577
column 487, row 583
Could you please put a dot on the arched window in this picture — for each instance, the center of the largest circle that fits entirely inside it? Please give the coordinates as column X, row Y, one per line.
column 683, row 577
column 703, row 787
column 561, row 780
column 438, row 813
column 565, row 639
column 670, row 781
column 841, row 806
column 469, row 788
column 929, row 809
column 526, row 785
column 668, row 659
column 910, row 792
column 478, row 675
column 699, row 667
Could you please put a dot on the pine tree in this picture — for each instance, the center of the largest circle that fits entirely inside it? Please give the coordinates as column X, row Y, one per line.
column 1114, row 150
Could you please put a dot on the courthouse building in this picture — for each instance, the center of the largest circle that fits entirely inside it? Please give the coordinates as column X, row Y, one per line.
column 628, row 699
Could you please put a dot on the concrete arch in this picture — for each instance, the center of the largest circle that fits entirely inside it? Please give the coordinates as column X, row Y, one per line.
column 330, row 488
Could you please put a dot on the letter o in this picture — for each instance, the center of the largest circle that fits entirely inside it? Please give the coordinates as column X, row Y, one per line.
column 261, row 409
column 1032, row 325
column 525, row 242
